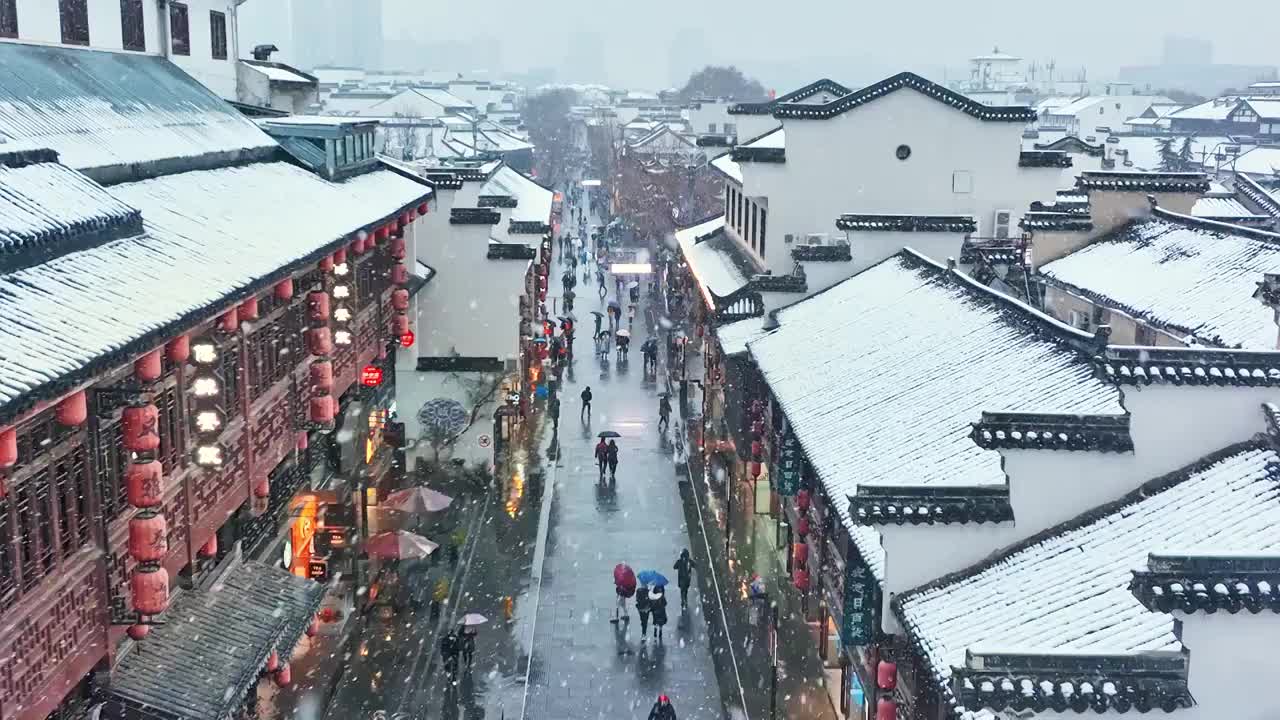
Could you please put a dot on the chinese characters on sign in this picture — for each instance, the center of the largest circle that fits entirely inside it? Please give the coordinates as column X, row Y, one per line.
column 789, row 465
column 860, row 599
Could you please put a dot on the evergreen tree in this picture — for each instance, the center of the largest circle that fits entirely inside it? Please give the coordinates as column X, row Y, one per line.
column 1186, row 155
column 1168, row 156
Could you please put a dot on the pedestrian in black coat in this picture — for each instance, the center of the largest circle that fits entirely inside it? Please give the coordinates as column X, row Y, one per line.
column 611, row 456
column 662, row 710
column 658, row 606
column 642, row 607
column 684, row 576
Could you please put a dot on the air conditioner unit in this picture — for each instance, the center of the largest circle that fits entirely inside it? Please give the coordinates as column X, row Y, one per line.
column 788, row 238
column 815, row 239
column 840, row 241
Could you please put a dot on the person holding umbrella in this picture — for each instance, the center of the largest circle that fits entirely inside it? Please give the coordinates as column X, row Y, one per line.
column 612, row 457
column 624, row 586
column 602, row 455
column 658, row 606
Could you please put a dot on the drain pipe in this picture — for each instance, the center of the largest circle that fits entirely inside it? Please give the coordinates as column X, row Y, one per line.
column 162, row 15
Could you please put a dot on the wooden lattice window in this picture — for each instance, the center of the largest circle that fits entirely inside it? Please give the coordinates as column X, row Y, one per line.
column 74, row 18
column 132, row 27
column 218, row 34
column 9, row 18
column 179, row 29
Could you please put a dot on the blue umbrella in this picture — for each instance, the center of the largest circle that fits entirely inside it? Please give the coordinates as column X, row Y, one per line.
column 653, row 577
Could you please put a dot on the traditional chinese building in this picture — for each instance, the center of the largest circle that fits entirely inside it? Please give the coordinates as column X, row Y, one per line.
column 186, row 307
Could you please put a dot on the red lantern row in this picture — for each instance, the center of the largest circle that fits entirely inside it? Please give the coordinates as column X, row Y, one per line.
column 398, row 248
column 8, row 448
column 73, row 410
column 140, row 426
column 321, row 373
column 148, row 536
column 284, row 289
column 249, row 309
column 178, row 349
column 150, row 590
column 400, row 324
column 400, row 299
column 318, row 306
column 886, row 675
column 149, row 367
column 339, row 256
column 229, row 322
column 321, row 409
column 144, row 483
column 319, row 341
column 400, row 275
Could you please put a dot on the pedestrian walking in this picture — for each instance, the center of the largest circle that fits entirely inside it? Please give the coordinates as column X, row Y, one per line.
column 642, row 607
column 599, row 320
column 554, row 407
column 600, row 279
column 602, row 456
column 586, row 401
column 449, row 652
column 658, row 607
column 684, row 576
column 611, row 455
column 467, row 639
column 662, row 709
column 664, row 413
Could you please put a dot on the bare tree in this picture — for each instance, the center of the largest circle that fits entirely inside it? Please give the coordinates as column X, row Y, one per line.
column 406, row 132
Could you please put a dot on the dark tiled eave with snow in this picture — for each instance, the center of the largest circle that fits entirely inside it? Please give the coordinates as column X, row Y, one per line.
column 528, row 227
column 822, row 253
column 510, row 251
column 930, row 505
column 759, row 154
column 1128, row 365
column 1056, row 222
column 800, row 111
column 992, row 252
column 808, row 91
column 1044, row 159
column 1144, row 182
column 1045, row 431
column 474, row 216
column 1253, row 192
column 907, row 223
column 444, row 181
column 1071, row 142
column 1209, row 583
column 1060, row 682
column 497, row 201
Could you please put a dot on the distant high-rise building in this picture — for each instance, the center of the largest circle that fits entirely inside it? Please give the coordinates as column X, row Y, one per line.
column 1186, row 50
column 310, row 33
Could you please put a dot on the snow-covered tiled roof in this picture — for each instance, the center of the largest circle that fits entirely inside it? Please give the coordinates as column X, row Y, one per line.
column 533, row 202
column 1223, row 208
column 734, row 336
column 882, row 375
column 279, row 72
column 45, row 206
column 730, row 167
column 1266, row 109
column 1260, row 161
column 116, row 110
column 210, row 235
column 1068, row 589
column 714, row 258
column 1189, row 276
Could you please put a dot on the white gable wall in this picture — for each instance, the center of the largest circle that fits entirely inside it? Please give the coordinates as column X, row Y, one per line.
column 848, row 164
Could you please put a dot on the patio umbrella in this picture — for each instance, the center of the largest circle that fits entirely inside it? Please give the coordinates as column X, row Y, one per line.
column 609, row 434
column 653, row 577
column 625, row 579
column 417, row 500
column 474, row 619
column 399, row 545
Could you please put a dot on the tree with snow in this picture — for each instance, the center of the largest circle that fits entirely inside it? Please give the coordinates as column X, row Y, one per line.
column 715, row 81
column 1169, row 161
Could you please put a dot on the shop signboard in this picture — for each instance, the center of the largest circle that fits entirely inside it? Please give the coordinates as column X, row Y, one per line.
column 860, row 593
column 789, row 464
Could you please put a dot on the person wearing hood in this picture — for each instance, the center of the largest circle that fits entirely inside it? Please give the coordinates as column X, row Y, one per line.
column 658, row 607
column 684, row 576
column 642, row 607
column 662, row 709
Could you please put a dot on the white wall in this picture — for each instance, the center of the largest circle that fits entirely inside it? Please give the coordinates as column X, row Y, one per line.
column 1232, row 665
column 38, row 21
column 1160, row 423
column 848, row 163
column 700, row 118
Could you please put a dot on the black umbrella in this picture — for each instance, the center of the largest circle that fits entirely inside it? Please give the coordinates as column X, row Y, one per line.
column 609, row 434
column 597, row 313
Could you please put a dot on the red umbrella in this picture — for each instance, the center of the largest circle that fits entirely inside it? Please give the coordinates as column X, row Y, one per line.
column 625, row 579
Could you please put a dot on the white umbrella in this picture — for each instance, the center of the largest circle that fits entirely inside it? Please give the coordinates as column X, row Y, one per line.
column 633, row 285
column 474, row 619
column 417, row 500
column 399, row 545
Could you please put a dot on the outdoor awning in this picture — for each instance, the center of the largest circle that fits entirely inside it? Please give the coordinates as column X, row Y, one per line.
column 213, row 644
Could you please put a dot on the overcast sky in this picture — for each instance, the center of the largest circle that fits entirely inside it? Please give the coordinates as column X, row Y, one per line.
column 783, row 42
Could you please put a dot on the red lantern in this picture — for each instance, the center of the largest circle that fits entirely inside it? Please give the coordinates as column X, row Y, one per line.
column 140, row 428
column 262, row 488
column 303, row 440
column 313, row 627
column 273, row 661
column 800, row 578
column 321, row 409
column 399, row 275
column 886, row 709
column 144, row 483
column 357, row 246
column 400, row 324
column 886, row 675
column 802, row 526
column 398, row 248
column 318, row 306
column 209, row 549
column 423, row 208
column 284, row 289
column 371, row 376
column 8, row 447
column 150, row 589
column 137, row 632
column 320, row 341
column 339, row 256
column 400, row 299
column 757, row 450
column 321, row 372
column 229, row 322
column 800, row 554
column 178, row 349
column 284, row 676
column 148, row 533
column 406, row 338
column 326, row 264
column 73, row 410
column 381, row 233
column 402, row 220
column 755, row 469
column 802, row 501
column 391, row 229
column 149, row 367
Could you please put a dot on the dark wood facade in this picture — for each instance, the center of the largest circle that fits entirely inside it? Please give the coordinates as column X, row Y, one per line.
column 64, row 562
